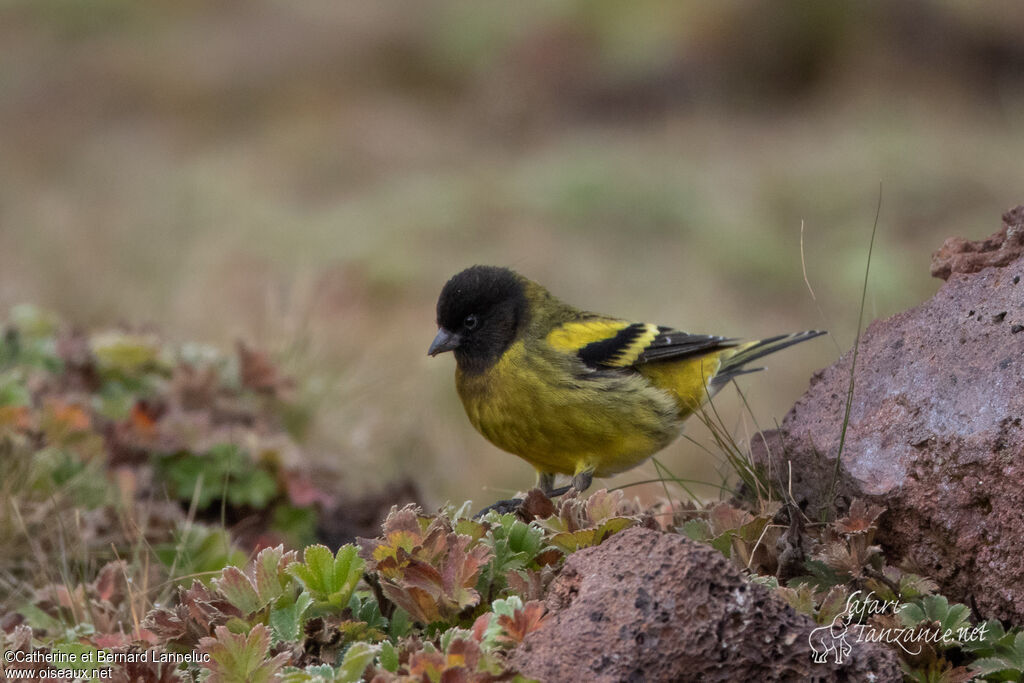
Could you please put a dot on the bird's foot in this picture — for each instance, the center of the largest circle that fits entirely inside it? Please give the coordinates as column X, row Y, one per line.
column 501, row 507
column 560, row 491
column 537, row 503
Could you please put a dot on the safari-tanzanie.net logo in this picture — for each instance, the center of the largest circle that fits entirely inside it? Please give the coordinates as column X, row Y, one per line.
column 867, row 619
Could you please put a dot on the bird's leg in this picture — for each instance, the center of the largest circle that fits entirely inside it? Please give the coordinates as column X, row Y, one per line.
column 582, row 481
column 546, row 482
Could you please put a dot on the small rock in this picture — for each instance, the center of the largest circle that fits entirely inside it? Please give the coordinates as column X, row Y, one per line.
column 958, row 255
column 671, row 609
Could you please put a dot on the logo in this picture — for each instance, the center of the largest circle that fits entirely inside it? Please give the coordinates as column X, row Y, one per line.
column 852, row 625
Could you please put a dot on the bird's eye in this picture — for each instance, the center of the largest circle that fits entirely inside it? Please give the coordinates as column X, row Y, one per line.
column 470, row 322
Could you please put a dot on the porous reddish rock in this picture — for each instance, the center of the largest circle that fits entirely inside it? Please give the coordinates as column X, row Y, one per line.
column 935, row 432
column 958, row 255
column 653, row 606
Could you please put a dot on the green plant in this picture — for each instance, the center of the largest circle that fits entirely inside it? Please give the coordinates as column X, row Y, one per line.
column 329, row 578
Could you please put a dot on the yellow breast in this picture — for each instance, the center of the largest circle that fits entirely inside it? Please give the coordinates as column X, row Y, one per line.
column 545, row 409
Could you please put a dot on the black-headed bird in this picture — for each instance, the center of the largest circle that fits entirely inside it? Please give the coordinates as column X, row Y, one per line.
column 572, row 392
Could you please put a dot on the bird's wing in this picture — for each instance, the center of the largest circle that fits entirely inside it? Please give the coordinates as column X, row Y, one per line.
column 609, row 343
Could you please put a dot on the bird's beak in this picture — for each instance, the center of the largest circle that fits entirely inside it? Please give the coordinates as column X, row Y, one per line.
column 444, row 341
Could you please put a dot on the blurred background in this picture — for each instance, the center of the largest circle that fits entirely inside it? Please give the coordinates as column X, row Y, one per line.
column 306, row 176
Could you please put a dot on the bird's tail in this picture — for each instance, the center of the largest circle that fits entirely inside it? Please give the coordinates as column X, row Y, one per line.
column 751, row 351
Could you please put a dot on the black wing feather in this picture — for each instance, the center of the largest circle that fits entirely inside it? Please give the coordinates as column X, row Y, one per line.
column 605, row 352
column 672, row 344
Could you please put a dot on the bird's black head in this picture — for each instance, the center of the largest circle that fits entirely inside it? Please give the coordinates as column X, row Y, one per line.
column 479, row 313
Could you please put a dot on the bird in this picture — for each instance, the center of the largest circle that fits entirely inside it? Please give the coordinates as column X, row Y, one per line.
column 572, row 392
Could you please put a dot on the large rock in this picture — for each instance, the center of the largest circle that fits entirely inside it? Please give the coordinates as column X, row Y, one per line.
column 935, row 431
column 653, row 606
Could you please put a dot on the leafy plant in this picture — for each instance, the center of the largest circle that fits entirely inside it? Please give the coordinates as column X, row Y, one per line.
column 508, row 623
column 199, row 551
column 934, row 612
column 240, row 657
column 225, row 470
column 734, row 532
column 195, row 615
column 329, row 578
column 262, row 583
column 584, row 522
column 1000, row 654
column 425, row 567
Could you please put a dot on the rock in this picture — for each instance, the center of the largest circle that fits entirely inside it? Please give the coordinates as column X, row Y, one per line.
column 935, row 432
column 958, row 255
column 653, row 606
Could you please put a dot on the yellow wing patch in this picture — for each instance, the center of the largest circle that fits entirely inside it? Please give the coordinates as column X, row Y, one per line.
column 573, row 336
column 604, row 342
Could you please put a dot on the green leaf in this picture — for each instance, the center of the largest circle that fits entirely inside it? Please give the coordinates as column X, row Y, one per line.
column 515, row 546
column 833, row 605
column 329, row 579
column 914, row 586
column 452, row 634
column 315, row 673
column 470, row 527
column 286, row 622
column 239, row 590
column 259, row 585
column 935, row 608
column 121, row 354
column 389, row 657
column 256, row 488
column 1007, row 660
column 224, row 469
column 400, row 624
column 12, row 391
column 571, row 541
column 77, row 649
column 30, row 340
column 994, row 637
column 460, row 513
column 237, row 658
column 365, row 608
column 199, row 551
column 821, row 577
column 800, row 597
column 696, row 530
column 769, row 582
column 357, row 658
column 723, row 543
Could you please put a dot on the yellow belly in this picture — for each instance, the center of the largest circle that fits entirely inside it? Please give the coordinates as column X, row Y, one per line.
column 607, row 422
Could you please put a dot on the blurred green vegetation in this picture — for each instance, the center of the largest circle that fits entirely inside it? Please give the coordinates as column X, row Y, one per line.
column 306, row 176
